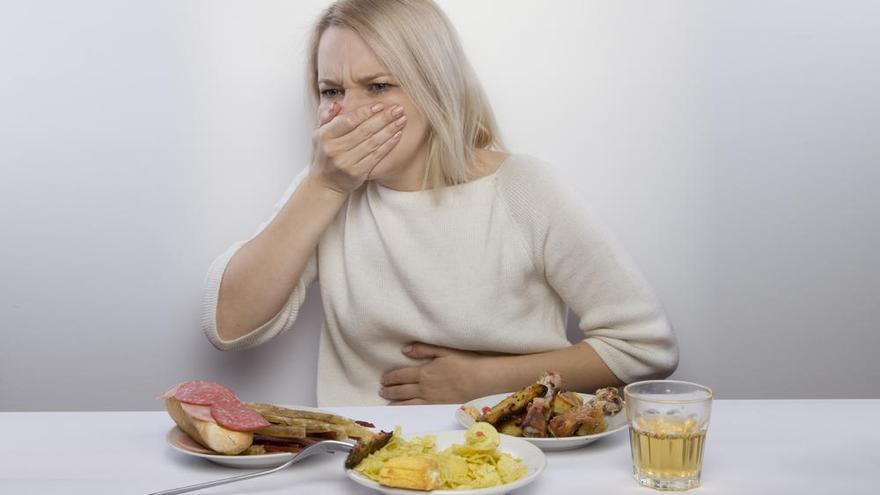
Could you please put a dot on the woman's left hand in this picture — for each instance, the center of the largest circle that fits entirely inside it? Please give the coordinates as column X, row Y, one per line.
column 450, row 376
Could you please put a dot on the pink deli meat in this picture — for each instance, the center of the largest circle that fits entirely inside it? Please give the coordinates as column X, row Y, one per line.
column 203, row 393
column 234, row 415
column 209, row 401
column 170, row 392
column 198, row 412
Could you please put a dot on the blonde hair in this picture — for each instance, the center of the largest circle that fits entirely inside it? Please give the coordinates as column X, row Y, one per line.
column 420, row 47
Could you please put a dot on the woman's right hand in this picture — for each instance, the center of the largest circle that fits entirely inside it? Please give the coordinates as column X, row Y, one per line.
column 347, row 146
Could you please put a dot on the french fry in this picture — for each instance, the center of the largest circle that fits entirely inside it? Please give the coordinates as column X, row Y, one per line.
column 303, row 442
column 283, row 413
column 283, row 431
column 274, row 449
column 314, row 422
column 254, row 449
column 291, row 430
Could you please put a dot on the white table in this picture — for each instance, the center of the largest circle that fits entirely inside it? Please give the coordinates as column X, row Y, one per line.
column 779, row 447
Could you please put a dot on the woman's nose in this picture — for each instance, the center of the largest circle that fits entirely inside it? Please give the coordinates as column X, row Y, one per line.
column 353, row 101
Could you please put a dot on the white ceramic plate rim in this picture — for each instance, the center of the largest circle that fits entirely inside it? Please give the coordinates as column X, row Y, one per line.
column 465, row 420
column 512, row 445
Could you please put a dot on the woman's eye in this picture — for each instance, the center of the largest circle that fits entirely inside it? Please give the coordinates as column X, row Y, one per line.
column 380, row 87
column 331, row 93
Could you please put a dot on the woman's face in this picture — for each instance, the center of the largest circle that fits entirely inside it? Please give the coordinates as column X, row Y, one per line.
column 350, row 74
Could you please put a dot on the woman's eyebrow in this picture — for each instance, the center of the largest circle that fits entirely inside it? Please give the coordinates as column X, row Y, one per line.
column 372, row 76
column 361, row 80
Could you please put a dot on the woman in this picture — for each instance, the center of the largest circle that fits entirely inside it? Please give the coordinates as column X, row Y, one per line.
column 446, row 265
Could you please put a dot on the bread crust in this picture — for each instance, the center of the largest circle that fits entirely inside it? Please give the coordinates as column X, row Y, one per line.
column 208, row 434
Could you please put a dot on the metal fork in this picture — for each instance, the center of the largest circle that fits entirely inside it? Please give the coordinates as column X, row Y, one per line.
column 316, row 448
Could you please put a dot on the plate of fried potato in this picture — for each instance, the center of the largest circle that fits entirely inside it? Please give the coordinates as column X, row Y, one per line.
column 546, row 415
column 478, row 461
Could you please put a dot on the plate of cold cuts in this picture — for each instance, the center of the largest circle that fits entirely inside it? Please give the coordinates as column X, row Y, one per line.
column 213, row 424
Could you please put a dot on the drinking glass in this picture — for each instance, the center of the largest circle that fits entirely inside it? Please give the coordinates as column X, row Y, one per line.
column 668, row 420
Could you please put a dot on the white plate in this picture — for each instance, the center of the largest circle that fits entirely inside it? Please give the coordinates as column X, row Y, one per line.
column 181, row 442
column 614, row 423
column 532, row 457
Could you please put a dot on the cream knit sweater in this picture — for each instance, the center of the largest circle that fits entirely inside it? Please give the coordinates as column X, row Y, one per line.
column 493, row 268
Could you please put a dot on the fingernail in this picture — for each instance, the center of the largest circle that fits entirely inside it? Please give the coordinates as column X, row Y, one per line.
column 399, row 122
column 377, row 107
column 407, row 348
column 397, row 110
column 382, row 392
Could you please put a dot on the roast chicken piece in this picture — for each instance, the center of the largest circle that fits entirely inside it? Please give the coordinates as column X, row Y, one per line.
column 547, row 386
column 542, row 409
column 553, row 382
column 510, row 426
column 584, row 421
column 534, row 423
column 564, row 402
column 609, row 399
column 512, row 404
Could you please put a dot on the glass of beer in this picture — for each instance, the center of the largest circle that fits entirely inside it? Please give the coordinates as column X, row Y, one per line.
column 668, row 421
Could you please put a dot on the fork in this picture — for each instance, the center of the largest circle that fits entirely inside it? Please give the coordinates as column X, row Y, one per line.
column 322, row 447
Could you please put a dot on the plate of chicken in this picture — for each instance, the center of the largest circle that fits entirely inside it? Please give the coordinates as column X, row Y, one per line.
column 547, row 415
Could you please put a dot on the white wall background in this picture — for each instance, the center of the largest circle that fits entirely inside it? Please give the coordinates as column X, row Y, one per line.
column 732, row 146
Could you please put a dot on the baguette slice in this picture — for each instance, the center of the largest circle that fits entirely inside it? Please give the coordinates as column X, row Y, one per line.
column 207, row 433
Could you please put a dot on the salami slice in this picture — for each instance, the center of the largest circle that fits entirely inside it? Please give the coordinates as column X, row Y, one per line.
column 233, row 415
column 198, row 412
column 170, row 392
column 203, row 393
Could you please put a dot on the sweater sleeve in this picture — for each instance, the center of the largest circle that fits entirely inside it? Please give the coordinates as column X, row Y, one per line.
column 620, row 316
column 284, row 319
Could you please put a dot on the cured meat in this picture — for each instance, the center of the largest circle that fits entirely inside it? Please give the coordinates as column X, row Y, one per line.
column 170, row 392
column 233, row 415
column 198, row 412
column 203, row 393
column 212, row 402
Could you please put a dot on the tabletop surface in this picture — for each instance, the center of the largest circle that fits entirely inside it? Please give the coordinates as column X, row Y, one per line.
column 759, row 446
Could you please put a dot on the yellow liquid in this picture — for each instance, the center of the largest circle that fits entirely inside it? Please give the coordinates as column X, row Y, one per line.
column 667, row 448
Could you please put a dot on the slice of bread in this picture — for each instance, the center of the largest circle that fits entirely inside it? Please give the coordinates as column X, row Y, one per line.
column 207, row 433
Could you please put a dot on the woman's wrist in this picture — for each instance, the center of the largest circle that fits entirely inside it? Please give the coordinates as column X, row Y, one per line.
column 580, row 367
column 323, row 190
column 498, row 374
